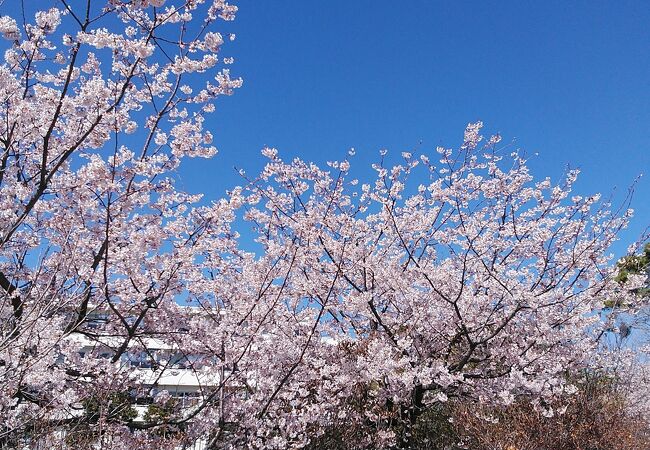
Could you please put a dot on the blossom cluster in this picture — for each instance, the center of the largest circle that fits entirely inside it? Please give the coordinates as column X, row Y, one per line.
column 448, row 275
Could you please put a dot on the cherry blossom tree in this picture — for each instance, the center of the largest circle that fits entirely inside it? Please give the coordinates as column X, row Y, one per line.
column 361, row 304
column 475, row 281
column 101, row 101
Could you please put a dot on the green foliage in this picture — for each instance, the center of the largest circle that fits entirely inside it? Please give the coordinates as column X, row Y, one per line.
column 113, row 407
column 118, row 405
column 434, row 429
column 633, row 264
column 160, row 413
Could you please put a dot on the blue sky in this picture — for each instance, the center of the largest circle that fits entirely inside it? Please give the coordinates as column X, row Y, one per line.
column 569, row 80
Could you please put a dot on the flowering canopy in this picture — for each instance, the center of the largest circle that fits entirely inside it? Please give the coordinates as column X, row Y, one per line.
column 366, row 303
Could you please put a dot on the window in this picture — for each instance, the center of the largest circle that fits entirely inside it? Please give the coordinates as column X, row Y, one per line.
column 96, row 320
column 140, row 359
column 181, row 361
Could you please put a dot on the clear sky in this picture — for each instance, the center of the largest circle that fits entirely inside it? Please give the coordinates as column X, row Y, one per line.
column 569, row 80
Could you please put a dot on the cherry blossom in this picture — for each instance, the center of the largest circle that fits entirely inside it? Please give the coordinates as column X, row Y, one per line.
column 451, row 274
